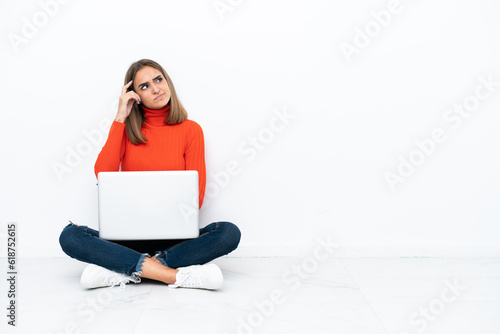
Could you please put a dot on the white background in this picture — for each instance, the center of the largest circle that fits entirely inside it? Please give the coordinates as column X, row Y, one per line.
column 323, row 173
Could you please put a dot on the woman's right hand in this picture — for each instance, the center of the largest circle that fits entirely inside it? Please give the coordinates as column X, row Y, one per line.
column 127, row 100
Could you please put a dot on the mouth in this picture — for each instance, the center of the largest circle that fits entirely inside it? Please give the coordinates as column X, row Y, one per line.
column 159, row 97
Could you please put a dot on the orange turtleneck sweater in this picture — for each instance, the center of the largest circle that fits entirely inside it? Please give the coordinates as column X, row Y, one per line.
column 169, row 147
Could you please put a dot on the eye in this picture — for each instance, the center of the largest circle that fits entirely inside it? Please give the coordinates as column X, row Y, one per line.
column 144, row 87
column 159, row 79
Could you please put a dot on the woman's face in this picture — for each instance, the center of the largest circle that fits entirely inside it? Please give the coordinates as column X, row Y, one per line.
column 152, row 88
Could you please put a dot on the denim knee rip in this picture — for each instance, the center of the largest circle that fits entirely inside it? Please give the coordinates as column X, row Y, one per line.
column 138, row 268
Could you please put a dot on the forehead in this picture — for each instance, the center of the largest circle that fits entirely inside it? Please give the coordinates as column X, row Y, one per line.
column 146, row 74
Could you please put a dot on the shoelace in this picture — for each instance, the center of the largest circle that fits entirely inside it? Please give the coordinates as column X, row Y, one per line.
column 116, row 279
column 191, row 280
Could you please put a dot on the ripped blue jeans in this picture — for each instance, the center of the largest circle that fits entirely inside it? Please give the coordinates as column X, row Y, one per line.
column 126, row 257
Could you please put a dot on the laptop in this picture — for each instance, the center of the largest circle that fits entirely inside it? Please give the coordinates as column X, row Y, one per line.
column 148, row 205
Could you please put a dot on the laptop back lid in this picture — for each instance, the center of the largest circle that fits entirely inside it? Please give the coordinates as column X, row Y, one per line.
column 148, row 205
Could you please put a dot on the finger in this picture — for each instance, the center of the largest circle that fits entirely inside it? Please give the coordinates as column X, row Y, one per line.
column 124, row 89
column 135, row 96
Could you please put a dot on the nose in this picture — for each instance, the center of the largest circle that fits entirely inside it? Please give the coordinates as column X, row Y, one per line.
column 155, row 88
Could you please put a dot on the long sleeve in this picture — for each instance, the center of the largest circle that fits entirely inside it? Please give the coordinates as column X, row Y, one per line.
column 113, row 150
column 195, row 157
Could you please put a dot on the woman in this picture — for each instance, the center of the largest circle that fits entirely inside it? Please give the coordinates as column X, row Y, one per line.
column 151, row 132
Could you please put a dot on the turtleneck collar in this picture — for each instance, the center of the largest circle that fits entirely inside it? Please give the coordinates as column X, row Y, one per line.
column 156, row 117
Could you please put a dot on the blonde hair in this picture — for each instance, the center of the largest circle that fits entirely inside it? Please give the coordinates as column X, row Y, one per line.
column 133, row 124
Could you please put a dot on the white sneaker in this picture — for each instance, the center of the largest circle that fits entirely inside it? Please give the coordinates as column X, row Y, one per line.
column 96, row 277
column 207, row 276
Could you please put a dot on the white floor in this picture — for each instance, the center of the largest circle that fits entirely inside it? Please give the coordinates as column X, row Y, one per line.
column 270, row 295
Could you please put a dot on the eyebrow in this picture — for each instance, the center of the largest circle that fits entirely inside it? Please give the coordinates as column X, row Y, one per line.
column 145, row 83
